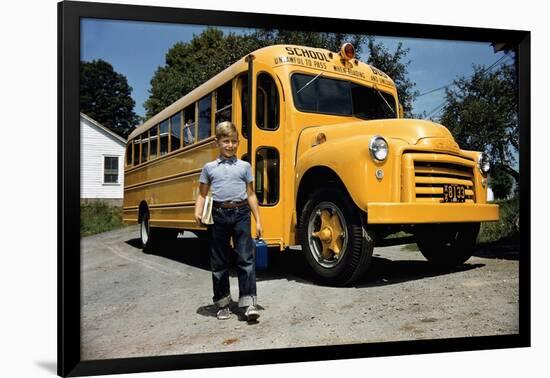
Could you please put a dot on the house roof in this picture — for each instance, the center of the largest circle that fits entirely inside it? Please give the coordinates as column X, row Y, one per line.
column 100, row 126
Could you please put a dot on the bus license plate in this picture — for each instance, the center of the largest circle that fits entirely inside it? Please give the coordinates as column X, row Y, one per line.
column 454, row 193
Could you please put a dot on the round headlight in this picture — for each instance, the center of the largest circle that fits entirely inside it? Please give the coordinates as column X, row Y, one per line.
column 378, row 148
column 483, row 163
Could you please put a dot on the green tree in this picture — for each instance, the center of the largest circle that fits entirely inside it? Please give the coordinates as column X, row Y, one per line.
column 501, row 183
column 189, row 64
column 481, row 112
column 106, row 97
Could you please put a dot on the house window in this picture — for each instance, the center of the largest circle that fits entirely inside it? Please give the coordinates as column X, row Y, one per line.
column 110, row 170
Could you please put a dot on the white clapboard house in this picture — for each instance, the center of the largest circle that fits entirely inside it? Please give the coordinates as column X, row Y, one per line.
column 101, row 163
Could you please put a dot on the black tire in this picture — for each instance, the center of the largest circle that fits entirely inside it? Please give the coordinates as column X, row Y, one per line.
column 447, row 245
column 145, row 235
column 338, row 261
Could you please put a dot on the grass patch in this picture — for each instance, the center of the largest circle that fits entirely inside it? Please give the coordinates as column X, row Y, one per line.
column 410, row 247
column 99, row 217
column 405, row 242
column 505, row 231
column 507, row 228
column 398, row 235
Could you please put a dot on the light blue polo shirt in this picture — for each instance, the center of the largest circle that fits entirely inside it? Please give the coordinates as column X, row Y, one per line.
column 228, row 178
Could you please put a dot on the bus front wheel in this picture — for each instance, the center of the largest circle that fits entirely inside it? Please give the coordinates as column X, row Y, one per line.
column 447, row 245
column 336, row 247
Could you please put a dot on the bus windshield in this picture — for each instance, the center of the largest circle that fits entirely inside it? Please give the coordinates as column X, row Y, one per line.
column 318, row 94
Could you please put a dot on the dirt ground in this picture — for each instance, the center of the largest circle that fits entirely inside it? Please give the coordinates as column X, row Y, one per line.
column 136, row 304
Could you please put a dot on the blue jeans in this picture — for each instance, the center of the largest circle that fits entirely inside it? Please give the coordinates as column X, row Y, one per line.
column 235, row 223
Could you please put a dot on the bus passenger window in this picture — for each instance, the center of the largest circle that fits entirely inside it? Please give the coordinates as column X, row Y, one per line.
column 163, row 138
column 189, row 132
column 205, row 117
column 153, row 142
column 267, row 176
column 175, row 132
column 144, row 147
column 129, row 153
column 137, row 143
column 267, row 103
column 223, row 103
column 189, row 125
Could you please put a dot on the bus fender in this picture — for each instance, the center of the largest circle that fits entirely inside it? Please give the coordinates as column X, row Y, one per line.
column 347, row 158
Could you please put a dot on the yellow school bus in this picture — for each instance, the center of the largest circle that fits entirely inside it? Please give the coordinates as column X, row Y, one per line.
column 335, row 164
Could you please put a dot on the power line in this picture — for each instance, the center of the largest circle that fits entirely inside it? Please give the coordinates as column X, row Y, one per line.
column 495, row 63
column 448, row 85
column 440, row 107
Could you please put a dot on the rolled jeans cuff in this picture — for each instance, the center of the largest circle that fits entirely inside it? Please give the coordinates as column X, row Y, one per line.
column 247, row 300
column 223, row 302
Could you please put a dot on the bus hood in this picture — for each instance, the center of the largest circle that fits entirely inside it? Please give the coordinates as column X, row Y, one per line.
column 411, row 131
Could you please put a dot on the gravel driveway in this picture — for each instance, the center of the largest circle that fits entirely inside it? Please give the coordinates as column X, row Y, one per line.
column 137, row 304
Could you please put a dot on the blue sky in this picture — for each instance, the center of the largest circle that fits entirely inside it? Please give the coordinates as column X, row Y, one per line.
column 137, row 49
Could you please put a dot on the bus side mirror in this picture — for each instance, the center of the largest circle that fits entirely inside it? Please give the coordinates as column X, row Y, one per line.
column 401, row 112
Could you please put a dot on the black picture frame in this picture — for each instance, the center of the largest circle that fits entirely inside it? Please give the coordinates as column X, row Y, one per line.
column 69, row 15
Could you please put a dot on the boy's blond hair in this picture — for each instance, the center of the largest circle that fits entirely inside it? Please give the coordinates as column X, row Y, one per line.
column 226, row 129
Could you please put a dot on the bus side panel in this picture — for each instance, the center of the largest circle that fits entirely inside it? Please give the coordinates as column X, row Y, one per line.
column 168, row 186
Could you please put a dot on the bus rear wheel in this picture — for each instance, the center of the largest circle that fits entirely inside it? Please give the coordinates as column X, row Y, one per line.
column 334, row 243
column 447, row 245
column 145, row 234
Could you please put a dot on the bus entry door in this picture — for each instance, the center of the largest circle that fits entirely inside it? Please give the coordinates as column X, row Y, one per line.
column 267, row 144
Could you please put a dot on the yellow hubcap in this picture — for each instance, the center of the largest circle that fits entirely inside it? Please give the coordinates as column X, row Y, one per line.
column 331, row 234
column 325, row 235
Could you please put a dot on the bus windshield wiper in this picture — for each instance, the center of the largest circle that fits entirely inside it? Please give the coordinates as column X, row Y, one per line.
column 309, row 82
column 383, row 98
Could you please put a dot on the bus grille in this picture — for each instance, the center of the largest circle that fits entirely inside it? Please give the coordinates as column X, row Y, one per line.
column 433, row 171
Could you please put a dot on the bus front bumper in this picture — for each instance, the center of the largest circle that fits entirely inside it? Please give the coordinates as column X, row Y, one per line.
column 408, row 213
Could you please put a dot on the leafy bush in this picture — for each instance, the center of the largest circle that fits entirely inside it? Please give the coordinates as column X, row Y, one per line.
column 507, row 228
column 99, row 217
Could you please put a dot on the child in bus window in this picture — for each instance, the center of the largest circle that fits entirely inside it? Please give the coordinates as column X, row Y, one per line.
column 188, row 131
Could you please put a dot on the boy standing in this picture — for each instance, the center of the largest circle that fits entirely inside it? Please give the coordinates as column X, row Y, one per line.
column 233, row 198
